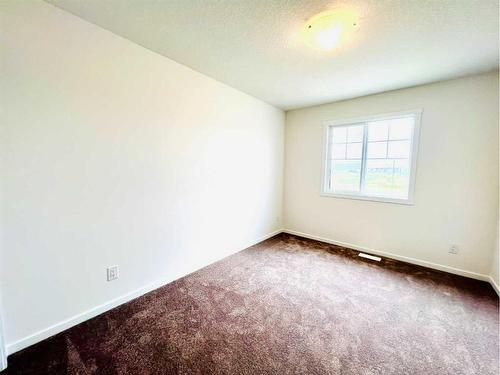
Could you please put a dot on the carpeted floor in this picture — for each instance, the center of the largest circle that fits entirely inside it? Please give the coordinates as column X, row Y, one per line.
column 287, row 306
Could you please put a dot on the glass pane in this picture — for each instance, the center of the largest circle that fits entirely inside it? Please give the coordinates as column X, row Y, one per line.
column 354, row 150
column 401, row 128
column 387, row 178
column 378, row 131
column 399, row 149
column 355, row 133
column 345, row 175
column 338, row 151
column 377, row 150
column 339, row 134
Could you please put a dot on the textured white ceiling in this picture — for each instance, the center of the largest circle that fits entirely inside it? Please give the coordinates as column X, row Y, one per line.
column 253, row 45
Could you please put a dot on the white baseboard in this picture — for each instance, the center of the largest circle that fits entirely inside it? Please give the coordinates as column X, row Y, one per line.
column 494, row 285
column 3, row 360
column 440, row 267
column 3, row 349
column 97, row 310
column 79, row 318
column 86, row 315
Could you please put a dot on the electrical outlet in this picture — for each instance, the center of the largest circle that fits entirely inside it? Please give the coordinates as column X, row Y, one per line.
column 112, row 273
column 454, row 249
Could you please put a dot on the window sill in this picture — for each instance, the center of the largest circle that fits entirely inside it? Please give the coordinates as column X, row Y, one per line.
column 407, row 202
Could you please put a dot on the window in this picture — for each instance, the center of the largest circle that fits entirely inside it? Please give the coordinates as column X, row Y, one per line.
column 372, row 158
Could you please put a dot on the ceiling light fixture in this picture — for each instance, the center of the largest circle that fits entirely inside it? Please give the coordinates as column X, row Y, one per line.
column 327, row 30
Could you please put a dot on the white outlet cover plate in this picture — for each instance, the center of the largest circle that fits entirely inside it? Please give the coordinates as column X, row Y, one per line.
column 112, row 273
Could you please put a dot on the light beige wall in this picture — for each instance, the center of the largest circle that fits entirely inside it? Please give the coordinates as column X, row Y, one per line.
column 113, row 154
column 494, row 273
column 456, row 196
column 495, row 267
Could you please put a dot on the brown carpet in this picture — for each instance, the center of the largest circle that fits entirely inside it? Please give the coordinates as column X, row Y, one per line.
column 287, row 306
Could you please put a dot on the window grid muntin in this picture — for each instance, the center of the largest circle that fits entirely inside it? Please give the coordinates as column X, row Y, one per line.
column 364, row 159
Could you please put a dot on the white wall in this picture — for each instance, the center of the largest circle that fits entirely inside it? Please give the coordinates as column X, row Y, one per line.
column 494, row 273
column 456, row 192
column 113, row 154
column 495, row 267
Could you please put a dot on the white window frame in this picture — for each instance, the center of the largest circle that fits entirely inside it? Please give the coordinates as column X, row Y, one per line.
column 417, row 113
